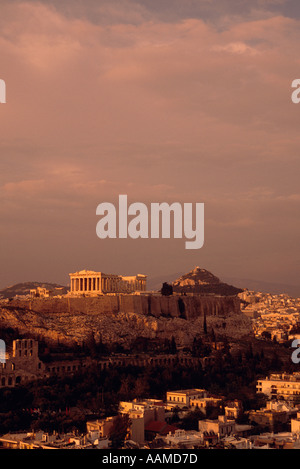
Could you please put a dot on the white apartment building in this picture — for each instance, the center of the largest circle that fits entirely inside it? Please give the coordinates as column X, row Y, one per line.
column 280, row 386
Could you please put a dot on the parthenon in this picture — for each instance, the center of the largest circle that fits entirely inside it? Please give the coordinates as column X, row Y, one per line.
column 90, row 283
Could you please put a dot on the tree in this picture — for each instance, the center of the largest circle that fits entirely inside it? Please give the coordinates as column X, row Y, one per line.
column 181, row 307
column 91, row 344
column 266, row 335
column 119, row 430
column 190, row 421
column 173, row 348
column 166, row 289
column 204, row 324
column 141, row 387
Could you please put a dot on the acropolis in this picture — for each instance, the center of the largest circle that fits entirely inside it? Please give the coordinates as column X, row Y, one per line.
column 90, row 283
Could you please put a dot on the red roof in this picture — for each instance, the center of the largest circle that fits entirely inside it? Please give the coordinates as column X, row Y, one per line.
column 160, row 427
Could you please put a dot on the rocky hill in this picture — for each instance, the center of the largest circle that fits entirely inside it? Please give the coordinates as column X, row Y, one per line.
column 123, row 327
column 124, row 318
column 204, row 282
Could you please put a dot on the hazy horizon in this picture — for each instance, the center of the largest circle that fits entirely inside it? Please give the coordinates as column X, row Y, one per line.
column 175, row 101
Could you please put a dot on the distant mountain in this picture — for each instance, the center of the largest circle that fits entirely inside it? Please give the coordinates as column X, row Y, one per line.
column 202, row 281
column 266, row 287
column 24, row 288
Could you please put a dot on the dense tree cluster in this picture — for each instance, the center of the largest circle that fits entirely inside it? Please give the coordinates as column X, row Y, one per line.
column 99, row 392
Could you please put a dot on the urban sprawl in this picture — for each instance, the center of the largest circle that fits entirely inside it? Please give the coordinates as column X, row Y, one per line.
column 188, row 418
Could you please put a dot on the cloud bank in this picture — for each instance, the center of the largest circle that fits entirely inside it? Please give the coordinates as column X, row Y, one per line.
column 189, row 101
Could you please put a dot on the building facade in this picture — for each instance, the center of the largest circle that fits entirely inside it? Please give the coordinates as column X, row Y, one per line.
column 280, row 386
column 22, row 364
column 41, row 292
column 275, row 415
column 90, row 283
column 220, row 427
column 141, row 413
column 184, row 397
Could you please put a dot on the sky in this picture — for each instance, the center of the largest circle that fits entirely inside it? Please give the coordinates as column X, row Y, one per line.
column 175, row 101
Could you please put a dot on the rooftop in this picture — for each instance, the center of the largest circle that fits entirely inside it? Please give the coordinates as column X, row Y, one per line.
column 187, row 392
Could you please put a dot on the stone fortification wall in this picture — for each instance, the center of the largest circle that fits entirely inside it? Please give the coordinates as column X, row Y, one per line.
column 187, row 307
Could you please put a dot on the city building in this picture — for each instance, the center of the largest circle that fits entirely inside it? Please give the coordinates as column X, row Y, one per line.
column 221, row 427
column 238, row 442
column 280, row 386
column 141, row 413
column 44, row 440
column 274, row 415
column 284, row 440
column 90, row 283
column 233, row 409
column 184, row 439
column 295, row 424
column 205, row 403
column 41, row 292
column 100, row 427
column 183, row 398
